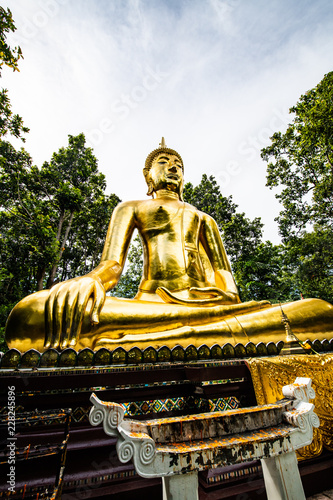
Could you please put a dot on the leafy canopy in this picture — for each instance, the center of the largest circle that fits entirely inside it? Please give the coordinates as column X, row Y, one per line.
column 8, row 56
column 300, row 165
column 300, row 162
column 53, row 219
column 9, row 123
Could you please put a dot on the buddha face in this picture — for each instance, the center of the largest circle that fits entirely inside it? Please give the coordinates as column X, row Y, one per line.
column 167, row 173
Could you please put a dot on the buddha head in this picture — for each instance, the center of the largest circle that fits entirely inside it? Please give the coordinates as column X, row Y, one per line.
column 164, row 169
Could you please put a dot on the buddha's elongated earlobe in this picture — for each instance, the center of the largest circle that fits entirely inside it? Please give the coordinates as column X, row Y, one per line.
column 150, row 188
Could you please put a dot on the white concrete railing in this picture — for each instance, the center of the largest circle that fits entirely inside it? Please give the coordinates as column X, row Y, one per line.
column 177, row 448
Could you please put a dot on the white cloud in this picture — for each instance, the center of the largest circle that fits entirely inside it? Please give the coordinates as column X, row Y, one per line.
column 212, row 76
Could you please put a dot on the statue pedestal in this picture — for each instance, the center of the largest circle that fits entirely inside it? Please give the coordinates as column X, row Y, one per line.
column 155, row 389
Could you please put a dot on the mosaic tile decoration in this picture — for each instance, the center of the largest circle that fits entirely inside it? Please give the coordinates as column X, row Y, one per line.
column 183, row 404
column 223, row 404
column 135, row 408
column 81, row 414
column 234, row 474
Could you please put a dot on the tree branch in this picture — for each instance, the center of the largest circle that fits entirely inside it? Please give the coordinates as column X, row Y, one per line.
column 50, row 281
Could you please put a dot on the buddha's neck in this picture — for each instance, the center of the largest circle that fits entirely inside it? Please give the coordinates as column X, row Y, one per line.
column 165, row 193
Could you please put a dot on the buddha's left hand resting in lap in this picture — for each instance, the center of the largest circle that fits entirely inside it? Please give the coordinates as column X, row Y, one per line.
column 187, row 294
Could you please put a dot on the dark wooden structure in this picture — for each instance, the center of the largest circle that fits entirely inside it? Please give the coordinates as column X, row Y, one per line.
column 92, row 469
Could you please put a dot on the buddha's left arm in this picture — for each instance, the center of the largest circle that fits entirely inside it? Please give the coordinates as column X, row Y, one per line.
column 213, row 245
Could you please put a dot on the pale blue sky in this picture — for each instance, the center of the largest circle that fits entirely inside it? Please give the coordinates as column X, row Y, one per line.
column 215, row 77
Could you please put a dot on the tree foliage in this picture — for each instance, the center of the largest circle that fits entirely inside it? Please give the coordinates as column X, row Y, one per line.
column 60, row 207
column 300, row 162
column 9, row 56
column 309, row 259
column 87, row 236
column 10, row 123
column 264, row 275
column 300, row 165
column 240, row 235
column 129, row 282
column 54, row 219
column 72, row 183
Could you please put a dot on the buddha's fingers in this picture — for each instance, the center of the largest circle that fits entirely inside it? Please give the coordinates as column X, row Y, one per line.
column 71, row 300
column 49, row 334
column 84, row 294
column 166, row 296
column 212, row 290
column 99, row 299
column 169, row 298
column 60, row 312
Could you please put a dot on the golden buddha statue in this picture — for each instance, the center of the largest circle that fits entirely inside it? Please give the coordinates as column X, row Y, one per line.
column 187, row 294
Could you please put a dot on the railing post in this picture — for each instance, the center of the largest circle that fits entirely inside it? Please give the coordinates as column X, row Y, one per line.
column 282, row 477
column 181, row 486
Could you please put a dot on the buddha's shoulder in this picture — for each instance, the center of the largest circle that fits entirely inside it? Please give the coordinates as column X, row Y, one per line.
column 130, row 205
column 199, row 213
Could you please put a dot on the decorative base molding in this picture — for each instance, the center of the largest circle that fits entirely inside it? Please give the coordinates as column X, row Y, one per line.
column 52, row 358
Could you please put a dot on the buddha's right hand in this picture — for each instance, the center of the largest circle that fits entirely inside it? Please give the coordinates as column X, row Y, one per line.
column 65, row 308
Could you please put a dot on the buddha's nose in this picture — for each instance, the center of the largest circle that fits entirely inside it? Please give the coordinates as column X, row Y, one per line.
column 173, row 168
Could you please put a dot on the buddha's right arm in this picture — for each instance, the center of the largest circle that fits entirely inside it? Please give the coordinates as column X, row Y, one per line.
column 67, row 302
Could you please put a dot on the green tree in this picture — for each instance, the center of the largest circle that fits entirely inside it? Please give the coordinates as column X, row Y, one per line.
column 11, row 125
column 9, row 56
column 309, row 259
column 87, row 236
column 54, row 219
column 300, row 162
column 240, row 235
column 130, row 280
column 207, row 197
column 60, row 206
column 265, row 275
column 72, row 181
column 300, row 165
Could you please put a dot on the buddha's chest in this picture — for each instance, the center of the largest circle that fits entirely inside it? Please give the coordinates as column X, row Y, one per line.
column 175, row 222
